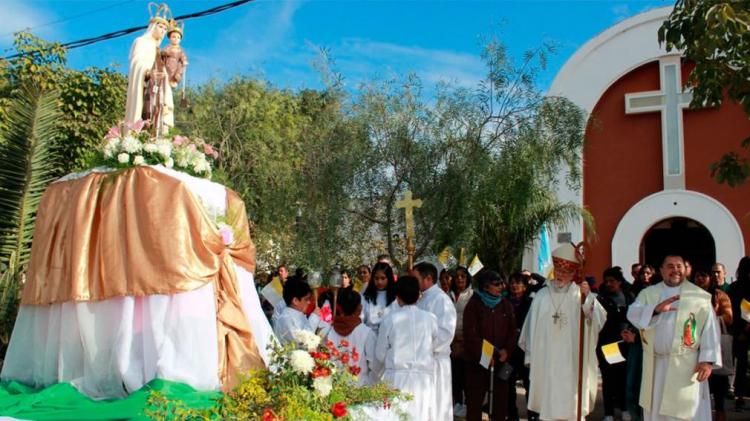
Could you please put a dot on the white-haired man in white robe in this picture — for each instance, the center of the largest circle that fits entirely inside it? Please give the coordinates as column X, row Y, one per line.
column 550, row 339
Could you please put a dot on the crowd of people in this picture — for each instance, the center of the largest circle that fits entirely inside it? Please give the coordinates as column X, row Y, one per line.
column 427, row 332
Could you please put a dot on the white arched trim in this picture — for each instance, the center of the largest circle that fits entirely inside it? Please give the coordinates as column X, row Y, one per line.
column 730, row 244
column 595, row 67
column 610, row 55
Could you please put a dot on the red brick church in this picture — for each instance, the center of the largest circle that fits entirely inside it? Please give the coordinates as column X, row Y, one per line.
column 646, row 176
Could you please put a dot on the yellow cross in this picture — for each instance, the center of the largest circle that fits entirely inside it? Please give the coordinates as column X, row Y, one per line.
column 408, row 204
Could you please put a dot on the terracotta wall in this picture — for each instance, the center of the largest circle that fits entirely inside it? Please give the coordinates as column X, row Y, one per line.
column 623, row 159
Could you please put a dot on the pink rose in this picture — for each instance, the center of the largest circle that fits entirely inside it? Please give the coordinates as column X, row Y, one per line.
column 207, row 149
column 137, row 126
column 227, row 236
column 178, row 140
column 113, row 133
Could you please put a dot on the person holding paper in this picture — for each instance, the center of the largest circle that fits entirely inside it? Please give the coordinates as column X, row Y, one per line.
column 550, row 338
column 739, row 294
column 615, row 301
column 489, row 339
column 435, row 301
column 680, row 336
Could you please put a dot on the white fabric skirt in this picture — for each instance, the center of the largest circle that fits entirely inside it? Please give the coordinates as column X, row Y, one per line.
column 111, row 348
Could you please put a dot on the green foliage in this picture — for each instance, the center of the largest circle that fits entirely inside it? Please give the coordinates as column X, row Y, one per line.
column 289, row 156
column 28, row 167
column 256, row 129
column 10, row 281
column 484, row 162
column 715, row 35
column 286, row 392
column 91, row 101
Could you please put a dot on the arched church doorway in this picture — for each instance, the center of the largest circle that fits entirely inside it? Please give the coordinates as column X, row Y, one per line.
column 682, row 236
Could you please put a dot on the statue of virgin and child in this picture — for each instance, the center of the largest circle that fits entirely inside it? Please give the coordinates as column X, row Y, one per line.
column 153, row 72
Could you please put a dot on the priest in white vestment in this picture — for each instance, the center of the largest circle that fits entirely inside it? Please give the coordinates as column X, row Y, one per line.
column 437, row 302
column 297, row 296
column 406, row 346
column 681, row 346
column 550, row 339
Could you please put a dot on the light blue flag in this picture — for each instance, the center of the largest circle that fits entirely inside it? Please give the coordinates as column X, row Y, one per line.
column 544, row 256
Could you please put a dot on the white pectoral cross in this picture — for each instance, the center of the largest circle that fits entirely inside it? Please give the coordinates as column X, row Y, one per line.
column 669, row 101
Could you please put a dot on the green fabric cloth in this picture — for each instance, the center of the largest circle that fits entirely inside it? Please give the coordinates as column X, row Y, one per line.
column 63, row 402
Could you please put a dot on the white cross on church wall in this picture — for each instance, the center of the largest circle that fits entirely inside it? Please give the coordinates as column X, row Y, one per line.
column 669, row 101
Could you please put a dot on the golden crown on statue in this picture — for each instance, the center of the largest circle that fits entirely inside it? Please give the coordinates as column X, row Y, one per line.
column 175, row 26
column 159, row 13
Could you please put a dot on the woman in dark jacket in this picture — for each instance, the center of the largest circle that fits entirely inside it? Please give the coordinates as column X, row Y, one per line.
column 521, row 301
column 615, row 300
column 488, row 316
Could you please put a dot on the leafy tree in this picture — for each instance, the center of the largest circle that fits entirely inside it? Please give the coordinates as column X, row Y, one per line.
column 91, row 100
column 484, row 161
column 419, row 146
column 715, row 35
column 288, row 155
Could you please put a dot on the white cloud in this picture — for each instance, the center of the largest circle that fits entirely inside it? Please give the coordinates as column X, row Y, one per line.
column 19, row 15
column 621, row 12
column 262, row 32
column 263, row 43
column 361, row 59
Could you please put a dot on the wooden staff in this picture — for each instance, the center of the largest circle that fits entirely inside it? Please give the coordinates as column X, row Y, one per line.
column 580, row 253
column 580, row 359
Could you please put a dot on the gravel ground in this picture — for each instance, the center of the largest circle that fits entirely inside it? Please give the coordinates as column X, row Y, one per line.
column 598, row 413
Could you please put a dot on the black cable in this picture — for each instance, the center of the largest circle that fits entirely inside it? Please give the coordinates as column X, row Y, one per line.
column 69, row 18
column 88, row 41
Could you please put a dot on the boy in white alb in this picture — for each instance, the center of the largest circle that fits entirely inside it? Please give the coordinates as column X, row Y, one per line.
column 297, row 296
column 406, row 346
column 349, row 333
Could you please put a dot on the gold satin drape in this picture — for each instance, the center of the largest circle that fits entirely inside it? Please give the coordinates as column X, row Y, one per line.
column 139, row 232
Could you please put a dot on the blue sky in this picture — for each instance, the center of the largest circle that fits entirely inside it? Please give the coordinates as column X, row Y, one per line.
column 278, row 40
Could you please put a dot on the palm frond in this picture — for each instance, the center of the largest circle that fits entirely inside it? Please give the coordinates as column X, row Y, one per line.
column 26, row 169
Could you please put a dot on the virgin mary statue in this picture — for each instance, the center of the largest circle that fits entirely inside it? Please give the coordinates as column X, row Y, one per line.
column 149, row 94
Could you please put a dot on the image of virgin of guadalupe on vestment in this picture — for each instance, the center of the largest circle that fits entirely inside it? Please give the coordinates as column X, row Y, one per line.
column 130, row 280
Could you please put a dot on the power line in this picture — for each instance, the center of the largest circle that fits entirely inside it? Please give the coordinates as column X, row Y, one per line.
column 69, row 18
column 117, row 34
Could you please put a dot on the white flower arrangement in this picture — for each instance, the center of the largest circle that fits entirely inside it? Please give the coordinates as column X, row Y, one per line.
column 307, row 339
column 323, row 385
column 301, row 361
column 132, row 146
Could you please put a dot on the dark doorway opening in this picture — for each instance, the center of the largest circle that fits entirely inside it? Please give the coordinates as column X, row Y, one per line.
column 682, row 236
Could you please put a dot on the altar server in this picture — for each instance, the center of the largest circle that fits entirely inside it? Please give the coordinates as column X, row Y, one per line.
column 407, row 343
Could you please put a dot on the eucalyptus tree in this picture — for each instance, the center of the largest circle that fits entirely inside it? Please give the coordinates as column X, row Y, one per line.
column 484, row 160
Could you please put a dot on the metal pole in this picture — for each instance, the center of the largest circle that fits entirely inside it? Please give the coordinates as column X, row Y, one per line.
column 492, row 387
